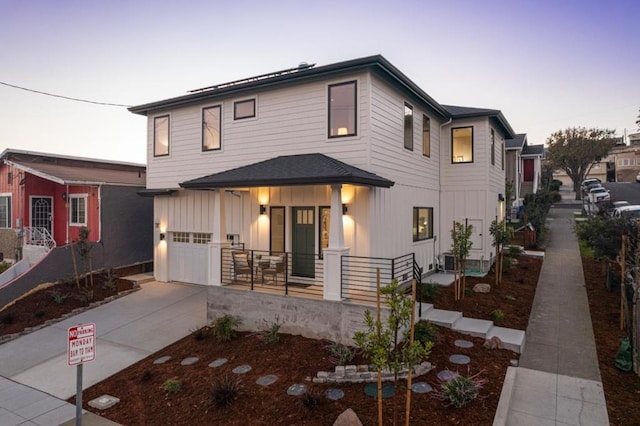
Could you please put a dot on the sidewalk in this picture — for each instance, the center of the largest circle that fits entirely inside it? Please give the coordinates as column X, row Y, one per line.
column 35, row 380
column 558, row 379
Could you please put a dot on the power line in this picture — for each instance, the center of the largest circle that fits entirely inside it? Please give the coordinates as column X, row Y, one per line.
column 63, row 97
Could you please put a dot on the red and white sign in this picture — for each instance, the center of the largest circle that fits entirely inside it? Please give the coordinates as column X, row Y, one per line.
column 81, row 347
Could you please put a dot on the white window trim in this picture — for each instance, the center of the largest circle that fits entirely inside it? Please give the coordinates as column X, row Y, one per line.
column 85, row 197
column 10, row 219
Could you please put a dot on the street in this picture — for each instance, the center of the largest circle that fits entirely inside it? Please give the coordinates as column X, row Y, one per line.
column 624, row 191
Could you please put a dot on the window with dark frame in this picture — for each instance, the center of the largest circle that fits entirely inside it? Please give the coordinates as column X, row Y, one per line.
column 422, row 223
column 462, row 144
column 78, row 210
column 408, row 126
column 161, row 136
column 323, row 228
column 342, row 110
column 211, row 123
column 493, row 147
column 5, row 211
column 502, row 154
column 276, row 229
column 244, row 109
column 426, row 136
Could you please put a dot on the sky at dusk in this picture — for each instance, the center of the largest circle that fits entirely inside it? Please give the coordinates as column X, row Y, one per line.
column 546, row 64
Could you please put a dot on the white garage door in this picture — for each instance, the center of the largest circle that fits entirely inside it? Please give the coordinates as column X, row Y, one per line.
column 188, row 257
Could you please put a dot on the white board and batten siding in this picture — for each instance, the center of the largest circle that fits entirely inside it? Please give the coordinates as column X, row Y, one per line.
column 290, row 120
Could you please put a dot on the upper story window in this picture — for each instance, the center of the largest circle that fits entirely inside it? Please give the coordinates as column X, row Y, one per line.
column 342, row 109
column 5, row 210
column 462, row 145
column 502, row 154
column 422, row 223
column 426, row 136
column 493, row 147
column 211, row 123
column 244, row 109
column 161, row 136
column 78, row 209
column 408, row 126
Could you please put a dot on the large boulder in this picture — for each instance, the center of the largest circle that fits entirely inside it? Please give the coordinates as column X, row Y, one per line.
column 482, row 288
column 348, row 418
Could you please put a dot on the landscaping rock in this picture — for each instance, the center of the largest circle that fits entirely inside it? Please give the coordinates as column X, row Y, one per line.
column 189, row 361
column 482, row 288
column 296, row 390
column 267, row 380
column 460, row 359
column 421, row 387
column 241, row 369
column 103, row 402
column 460, row 343
column 218, row 362
column 162, row 360
column 348, row 418
column 446, row 375
column 334, row 394
column 493, row 343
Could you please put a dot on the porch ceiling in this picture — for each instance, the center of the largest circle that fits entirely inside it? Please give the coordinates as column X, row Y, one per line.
column 290, row 170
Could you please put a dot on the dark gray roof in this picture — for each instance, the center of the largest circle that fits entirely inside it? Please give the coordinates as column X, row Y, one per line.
column 461, row 112
column 289, row 170
column 516, row 143
column 376, row 64
column 533, row 150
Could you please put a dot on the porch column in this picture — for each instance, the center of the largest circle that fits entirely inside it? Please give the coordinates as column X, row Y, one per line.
column 219, row 240
column 333, row 254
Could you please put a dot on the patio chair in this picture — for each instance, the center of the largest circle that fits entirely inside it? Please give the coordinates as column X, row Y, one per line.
column 242, row 264
column 275, row 266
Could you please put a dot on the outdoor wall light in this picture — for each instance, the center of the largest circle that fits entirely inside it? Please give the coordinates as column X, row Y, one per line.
column 345, row 209
column 263, row 209
column 162, row 236
column 64, row 196
column 500, row 197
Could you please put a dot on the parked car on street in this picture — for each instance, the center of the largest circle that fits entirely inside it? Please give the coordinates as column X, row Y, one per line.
column 598, row 194
column 638, row 177
column 631, row 210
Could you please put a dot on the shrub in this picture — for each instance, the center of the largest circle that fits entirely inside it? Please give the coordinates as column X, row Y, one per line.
column 460, row 390
column 424, row 332
column 201, row 333
column 497, row 315
column 555, row 185
column 510, row 298
column 429, row 291
column 4, row 266
column 58, row 296
column 172, row 385
column 311, row 399
column 86, row 295
column 110, row 279
column 514, row 251
column 226, row 390
column 340, row 354
column 224, row 328
column 146, row 376
column 272, row 334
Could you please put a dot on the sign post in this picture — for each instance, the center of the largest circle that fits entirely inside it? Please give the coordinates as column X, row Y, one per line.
column 81, row 348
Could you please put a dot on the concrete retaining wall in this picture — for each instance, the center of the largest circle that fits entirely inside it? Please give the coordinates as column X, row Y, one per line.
column 317, row 319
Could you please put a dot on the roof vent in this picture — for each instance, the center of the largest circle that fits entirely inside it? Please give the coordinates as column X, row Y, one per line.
column 303, row 65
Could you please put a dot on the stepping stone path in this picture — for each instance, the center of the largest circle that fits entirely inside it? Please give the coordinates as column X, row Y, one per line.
column 189, row 361
column 241, row 369
column 460, row 359
column 371, row 389
column 463, row 344
column 218, row 362
column 334, row 394
column 267, row 380
column 296, row 390
column 162, row 359
column 421, row 387
column 446, row 375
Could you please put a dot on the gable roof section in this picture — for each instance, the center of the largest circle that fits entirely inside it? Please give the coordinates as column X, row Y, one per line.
column 75, row 170
column 461, row 112
column 533, row 150
column 290, row 170
column 376, row 64
column 519, row 142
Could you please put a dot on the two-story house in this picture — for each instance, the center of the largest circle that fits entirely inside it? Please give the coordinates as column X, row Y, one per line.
column 523, row 166
column 308, row 180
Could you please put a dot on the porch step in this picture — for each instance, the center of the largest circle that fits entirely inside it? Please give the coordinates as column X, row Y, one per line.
column 426, row 308
column 442, row 318
column 473, row 327
column 140, row 279
column 513, row 340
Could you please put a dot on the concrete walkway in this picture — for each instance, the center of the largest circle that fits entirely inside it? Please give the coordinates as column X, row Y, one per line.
column 36, row 380
column 558, row 379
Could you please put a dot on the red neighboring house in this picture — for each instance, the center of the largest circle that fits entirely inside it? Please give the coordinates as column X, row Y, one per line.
column 45, row 199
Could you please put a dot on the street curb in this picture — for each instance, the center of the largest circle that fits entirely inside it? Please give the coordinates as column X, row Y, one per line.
column 500, row 419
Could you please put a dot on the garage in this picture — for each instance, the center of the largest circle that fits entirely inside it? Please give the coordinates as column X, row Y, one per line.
column 188, row 257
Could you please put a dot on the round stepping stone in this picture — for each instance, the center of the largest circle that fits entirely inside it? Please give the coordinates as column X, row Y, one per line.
column 446, row 375
column 267, row 380
column 189, row 361
column 162, row 359
column 241, row 369
column 463, row 344
column 421, row 387
column 459, row 359
column 371, row 389
column 334, row 394
column 296, row 390
column 218, row 362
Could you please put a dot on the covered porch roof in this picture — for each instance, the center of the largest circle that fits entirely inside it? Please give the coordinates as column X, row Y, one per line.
column 290, row 170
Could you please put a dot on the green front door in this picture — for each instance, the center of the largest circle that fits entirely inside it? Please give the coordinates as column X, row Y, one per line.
column 303, row 236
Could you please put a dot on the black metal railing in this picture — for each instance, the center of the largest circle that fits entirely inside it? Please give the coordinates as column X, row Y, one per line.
column 417, row 275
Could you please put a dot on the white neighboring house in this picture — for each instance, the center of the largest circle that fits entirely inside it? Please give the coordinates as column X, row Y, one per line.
column 320, row 175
